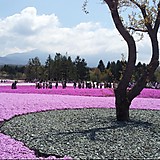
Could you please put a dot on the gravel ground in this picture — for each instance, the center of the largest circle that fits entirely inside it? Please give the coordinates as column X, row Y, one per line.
column 88, row 133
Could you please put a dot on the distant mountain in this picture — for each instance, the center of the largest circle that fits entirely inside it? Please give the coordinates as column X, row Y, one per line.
column 3, row 60
column 22, row 58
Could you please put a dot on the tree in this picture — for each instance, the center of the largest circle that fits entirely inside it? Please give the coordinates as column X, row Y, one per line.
column 33, row 69
column 71, row 69
column 48, row 67
column 113, row 69
column 108, row 65
column 95, row 75
column 82, row 70
column 62, row 68
column 57, row 67
column 101, row 66
column 12, row 71
column 144, row 18
column 118, row 70
column 157, row 74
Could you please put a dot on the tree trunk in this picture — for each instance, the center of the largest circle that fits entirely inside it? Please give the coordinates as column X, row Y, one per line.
column 122, row 101
column 122, row 105
column 122, row 112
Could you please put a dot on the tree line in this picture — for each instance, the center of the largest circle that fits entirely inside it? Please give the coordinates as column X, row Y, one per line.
column 62, row 67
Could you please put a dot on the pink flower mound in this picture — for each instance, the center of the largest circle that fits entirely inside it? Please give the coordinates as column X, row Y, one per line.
column 67, row 91
column 146, row 103
column 104, row 92
column 150, row 93
column 12, row 149
column 17, row 104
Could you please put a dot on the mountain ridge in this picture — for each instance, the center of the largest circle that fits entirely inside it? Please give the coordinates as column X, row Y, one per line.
column 23, row 58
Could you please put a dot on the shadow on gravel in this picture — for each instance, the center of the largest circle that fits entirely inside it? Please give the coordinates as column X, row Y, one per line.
column 113, row 125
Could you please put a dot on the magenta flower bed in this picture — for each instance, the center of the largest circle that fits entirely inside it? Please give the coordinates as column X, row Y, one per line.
column 17, row 104
column 12, row 149
column 59, row 90
column 150, row 93
column 104, row 92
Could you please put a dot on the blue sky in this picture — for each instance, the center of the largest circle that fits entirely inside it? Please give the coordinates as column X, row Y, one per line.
column 61, row 26
column 69, row 11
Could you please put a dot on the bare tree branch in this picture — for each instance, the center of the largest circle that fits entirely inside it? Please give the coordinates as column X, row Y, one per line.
column 157, row 22
column 137, row 29
column 113, row 5
column 84, row 7
column 144, row 13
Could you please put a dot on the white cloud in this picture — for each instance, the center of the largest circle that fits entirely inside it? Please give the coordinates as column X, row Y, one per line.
column 27, row 30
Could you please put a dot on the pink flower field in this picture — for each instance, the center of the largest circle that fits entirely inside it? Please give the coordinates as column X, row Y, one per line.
column 22, row 88
column 27, row 99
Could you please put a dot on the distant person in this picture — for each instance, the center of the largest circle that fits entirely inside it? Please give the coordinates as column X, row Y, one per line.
column 64, row 84
column 83, row 84
column 109, row 85
column 43, row 85
column 89, row 85
column 97, row 84
column 47, row 85
column 94, row 85
column 38, row 85
column 50, row 85
column 74, row 84
column 79, row 85
column 56, row 84
column 86, row 84
column 101, row 85
column 14, row 85
column 105, row 84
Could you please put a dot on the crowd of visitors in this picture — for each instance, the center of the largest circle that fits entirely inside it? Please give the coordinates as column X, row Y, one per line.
column 154, row 85
column 50, row 85
column 83, row 84
column 89, row 84
column 86, row 84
